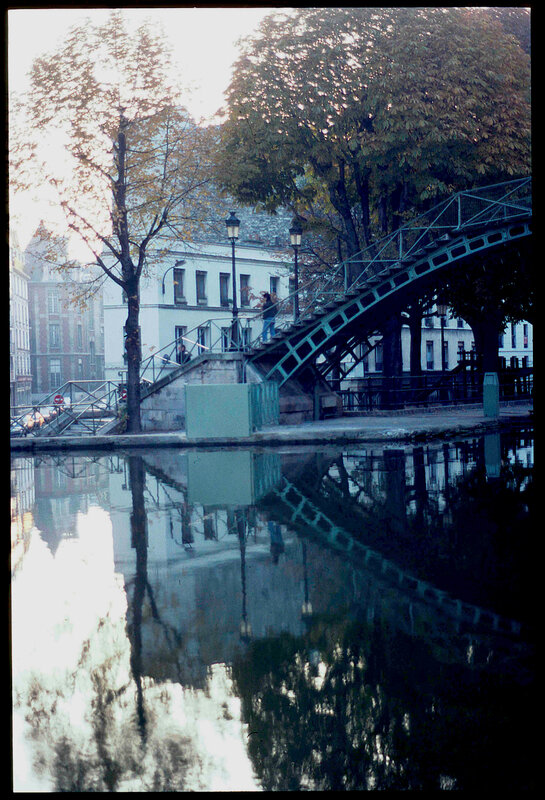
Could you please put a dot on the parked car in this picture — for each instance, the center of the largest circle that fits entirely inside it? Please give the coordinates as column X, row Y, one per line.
column 16, row 428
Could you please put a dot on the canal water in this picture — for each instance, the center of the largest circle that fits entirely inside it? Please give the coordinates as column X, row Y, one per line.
column 306, row 619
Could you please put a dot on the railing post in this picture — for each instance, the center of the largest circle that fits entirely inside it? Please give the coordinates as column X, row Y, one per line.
column 459, row 202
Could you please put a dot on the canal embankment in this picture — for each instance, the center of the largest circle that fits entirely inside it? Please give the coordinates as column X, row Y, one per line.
column 401, row 425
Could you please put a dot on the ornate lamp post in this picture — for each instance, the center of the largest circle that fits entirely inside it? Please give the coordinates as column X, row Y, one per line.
column 441, row 307
column 233, row 225
column 296, row 234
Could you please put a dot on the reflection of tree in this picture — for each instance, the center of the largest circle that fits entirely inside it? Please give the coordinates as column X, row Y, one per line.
column 121, row 740
column 104, row 751
column 379, row 712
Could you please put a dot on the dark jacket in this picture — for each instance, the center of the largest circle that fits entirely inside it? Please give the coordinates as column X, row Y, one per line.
column 269, row 309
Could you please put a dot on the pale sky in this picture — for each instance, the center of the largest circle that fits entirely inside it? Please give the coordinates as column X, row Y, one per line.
column 202, row 39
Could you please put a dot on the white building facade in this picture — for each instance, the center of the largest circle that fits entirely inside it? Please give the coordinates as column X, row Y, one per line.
column 515, row 346
column 19, row 328
column 188, row 294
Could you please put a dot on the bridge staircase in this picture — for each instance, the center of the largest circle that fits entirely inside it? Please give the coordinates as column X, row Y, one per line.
column 77, row 408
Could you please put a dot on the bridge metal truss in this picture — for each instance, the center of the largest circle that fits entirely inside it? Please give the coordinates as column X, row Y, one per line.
column 467, row 223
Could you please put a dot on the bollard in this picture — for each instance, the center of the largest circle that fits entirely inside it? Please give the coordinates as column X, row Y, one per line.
column 491, row 394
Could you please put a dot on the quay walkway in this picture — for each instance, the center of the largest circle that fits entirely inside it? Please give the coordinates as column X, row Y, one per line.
column 407, row 425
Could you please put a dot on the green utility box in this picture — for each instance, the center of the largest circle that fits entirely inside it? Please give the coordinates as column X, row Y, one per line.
column 217, row 410
column 230, row 409
column 491, row 394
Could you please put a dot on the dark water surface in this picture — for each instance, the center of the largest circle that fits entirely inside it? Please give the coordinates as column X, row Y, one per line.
column 333, row 619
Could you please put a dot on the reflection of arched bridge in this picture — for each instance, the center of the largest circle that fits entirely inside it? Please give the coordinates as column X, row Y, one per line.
column 341, row 309
column 303, row 512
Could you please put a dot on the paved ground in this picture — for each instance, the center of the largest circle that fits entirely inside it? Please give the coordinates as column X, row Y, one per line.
column 398, row 426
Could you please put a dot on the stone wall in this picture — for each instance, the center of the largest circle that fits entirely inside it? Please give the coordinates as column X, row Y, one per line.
column 164, row 410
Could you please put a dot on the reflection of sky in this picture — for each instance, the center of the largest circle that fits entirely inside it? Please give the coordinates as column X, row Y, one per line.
column 57, row 603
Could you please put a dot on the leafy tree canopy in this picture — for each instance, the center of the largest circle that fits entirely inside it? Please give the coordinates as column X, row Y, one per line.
column 367, row 112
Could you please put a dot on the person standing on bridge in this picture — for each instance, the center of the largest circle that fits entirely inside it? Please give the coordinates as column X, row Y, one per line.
column 269, row 314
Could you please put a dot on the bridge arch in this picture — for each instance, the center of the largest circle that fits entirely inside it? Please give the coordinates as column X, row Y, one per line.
column 355, row 315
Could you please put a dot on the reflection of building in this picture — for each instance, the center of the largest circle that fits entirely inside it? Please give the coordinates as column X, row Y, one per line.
column 189, row 286
column 22, row 505
column 65, row 486
column 19, row 327
column 67, row 342
column 207, row 567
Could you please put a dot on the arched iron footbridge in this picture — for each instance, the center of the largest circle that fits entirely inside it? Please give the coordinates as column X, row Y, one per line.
column 392, row 269
column 340, row 311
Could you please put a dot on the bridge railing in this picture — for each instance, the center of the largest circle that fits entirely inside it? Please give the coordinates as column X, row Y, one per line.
column 462, row 212
column 71, row 401
column 375, row 392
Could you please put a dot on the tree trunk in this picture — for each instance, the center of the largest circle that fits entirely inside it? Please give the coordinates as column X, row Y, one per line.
column 415, row 329
column 362, row 185
column 132, row 328
column 339, row 199
column 415, row 349
column 133, row 350
column 486, row 330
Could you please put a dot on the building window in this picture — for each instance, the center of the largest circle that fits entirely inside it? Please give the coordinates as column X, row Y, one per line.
column 273, row 284
column 53, row 301
column 200, row 278
column 244, row 290
column 428, row 320
column 525, row 336
column 54, row 373
column 500, row 340
column 54, row 335
column 224, row 288
column 429, row 355
column 378, row 357
column 513, row 335
column 92, row 354
column 459, row 322
column 79, row 337
column 178, row 278
column 180, row 331
column 246, row 337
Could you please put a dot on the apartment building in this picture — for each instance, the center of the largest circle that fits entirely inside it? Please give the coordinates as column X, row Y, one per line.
column 66, row 341
column 19, row 328
column 189, row 293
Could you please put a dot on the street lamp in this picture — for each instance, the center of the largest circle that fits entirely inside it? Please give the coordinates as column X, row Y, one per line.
column 296, row 235
column 175, row 266
column 441, row 308
column 233, row 225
